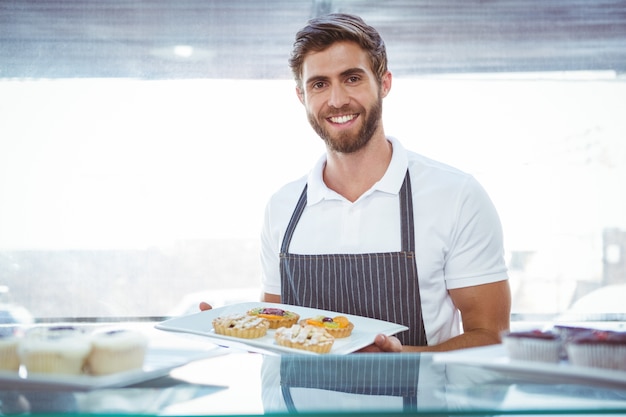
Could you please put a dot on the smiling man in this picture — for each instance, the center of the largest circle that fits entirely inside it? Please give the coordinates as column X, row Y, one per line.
column 374, row 229
column 337, row 100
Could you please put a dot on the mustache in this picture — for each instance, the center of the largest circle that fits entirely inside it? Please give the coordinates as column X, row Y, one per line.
column 341, row 112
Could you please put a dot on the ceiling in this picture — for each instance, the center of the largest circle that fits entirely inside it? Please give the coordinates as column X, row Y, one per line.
column 161, row 39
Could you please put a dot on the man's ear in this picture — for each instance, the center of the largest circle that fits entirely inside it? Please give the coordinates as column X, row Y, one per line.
column 300, row 94
column 385, row 85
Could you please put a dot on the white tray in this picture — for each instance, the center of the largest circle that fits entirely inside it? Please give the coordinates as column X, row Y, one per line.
column 159, row 362
column 365, row 329
column 495, row 358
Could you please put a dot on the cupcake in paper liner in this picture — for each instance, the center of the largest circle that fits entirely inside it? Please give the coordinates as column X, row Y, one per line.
column 57, row 350
column 598, row 349
column 567, row 334
column 533, row 345
column 9, row 359
column 116, row 350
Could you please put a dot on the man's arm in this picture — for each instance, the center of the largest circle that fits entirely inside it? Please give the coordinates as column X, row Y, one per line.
column 271, row 298
column 485, row 312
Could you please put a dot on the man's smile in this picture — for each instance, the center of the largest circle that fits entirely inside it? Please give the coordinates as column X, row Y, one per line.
column 343, row 119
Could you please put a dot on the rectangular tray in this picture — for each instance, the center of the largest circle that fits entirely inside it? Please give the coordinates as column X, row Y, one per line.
column 365, row 329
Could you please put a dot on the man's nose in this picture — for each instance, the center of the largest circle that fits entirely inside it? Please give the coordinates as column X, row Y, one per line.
column 339, row 97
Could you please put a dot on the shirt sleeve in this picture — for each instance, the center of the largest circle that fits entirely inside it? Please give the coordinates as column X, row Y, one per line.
column 270, row 263
column 476, row 254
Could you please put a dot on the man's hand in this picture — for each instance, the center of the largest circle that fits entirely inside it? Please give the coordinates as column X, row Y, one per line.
column 205, row 306
column 383, row 343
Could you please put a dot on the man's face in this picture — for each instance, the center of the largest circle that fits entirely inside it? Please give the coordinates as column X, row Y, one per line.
column 342, row 97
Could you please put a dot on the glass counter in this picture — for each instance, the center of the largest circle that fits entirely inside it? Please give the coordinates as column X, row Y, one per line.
column 233, row 381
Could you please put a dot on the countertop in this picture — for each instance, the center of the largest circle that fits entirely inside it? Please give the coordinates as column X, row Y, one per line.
column 205, row 378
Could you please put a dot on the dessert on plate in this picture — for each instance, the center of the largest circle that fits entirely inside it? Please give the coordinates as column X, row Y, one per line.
column 338, row 326
column 116, row 350
column 241, row 325
column 277, row 317
column 9, row 359
column 598, row 349
column 533, row 345
column 311, row 338
column 61, row 350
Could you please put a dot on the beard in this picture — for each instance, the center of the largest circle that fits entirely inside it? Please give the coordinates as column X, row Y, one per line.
column 346, row 142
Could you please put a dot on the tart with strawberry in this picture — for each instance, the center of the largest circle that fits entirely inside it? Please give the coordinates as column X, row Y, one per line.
column 277, row 317
column 338, row 326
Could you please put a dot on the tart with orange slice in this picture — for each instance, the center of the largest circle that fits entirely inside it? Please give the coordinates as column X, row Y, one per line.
column 277, row 317
column 338, row 326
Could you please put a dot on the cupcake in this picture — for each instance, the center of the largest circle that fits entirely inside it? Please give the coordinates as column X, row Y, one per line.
column 116, row 351
column 241, row 325
column 276, row 316
column 567, row 334
column 9, row 359
column 338, row 326
column 533, row 345
column 598, row 349
column 310, row 338
column 59, row 350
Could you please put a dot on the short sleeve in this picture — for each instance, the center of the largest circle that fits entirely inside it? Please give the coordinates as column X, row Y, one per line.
column 476, row 253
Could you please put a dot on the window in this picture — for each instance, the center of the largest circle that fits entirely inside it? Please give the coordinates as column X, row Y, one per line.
column 140, row 141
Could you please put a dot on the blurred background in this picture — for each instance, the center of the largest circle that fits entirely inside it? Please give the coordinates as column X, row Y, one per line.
column 140, row 140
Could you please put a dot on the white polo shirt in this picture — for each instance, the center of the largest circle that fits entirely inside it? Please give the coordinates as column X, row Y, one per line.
column 458, row 235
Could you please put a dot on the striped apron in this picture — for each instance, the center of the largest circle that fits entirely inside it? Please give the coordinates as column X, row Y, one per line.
column 382, row 286
column 374, row 374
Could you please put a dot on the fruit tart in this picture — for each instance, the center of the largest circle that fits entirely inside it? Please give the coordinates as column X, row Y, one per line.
column 241, row 325
column 311, row 338
column 275, row 316
column 338, row 326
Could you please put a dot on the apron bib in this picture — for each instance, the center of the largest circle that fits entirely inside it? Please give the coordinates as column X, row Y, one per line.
column 381, row 286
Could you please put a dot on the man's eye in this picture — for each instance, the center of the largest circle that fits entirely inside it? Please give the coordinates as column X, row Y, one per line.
column 353, row 79
column 318, row 85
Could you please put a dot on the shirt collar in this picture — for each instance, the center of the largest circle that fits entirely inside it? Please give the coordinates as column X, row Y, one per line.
column 390, row 183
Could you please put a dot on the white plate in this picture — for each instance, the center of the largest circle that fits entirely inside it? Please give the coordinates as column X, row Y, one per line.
column 495, row 358
column 365, row 329
column 158, row 363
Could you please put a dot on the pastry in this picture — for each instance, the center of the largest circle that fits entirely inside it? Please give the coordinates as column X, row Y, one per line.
column 241, row 325
column 598, row 349
column 276, row 316
column 567, row 334
column 338, row 326
column 61, row 350
column 116, row 351
column 307, row 337
column 533, row 345
column 9, row 359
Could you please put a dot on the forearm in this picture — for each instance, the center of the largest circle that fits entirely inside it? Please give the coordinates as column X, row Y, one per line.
column 473, row 338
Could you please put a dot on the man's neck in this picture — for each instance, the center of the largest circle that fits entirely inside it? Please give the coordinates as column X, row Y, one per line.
column 353, row 174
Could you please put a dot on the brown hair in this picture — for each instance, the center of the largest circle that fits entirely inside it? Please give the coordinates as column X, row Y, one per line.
column 323, row 31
